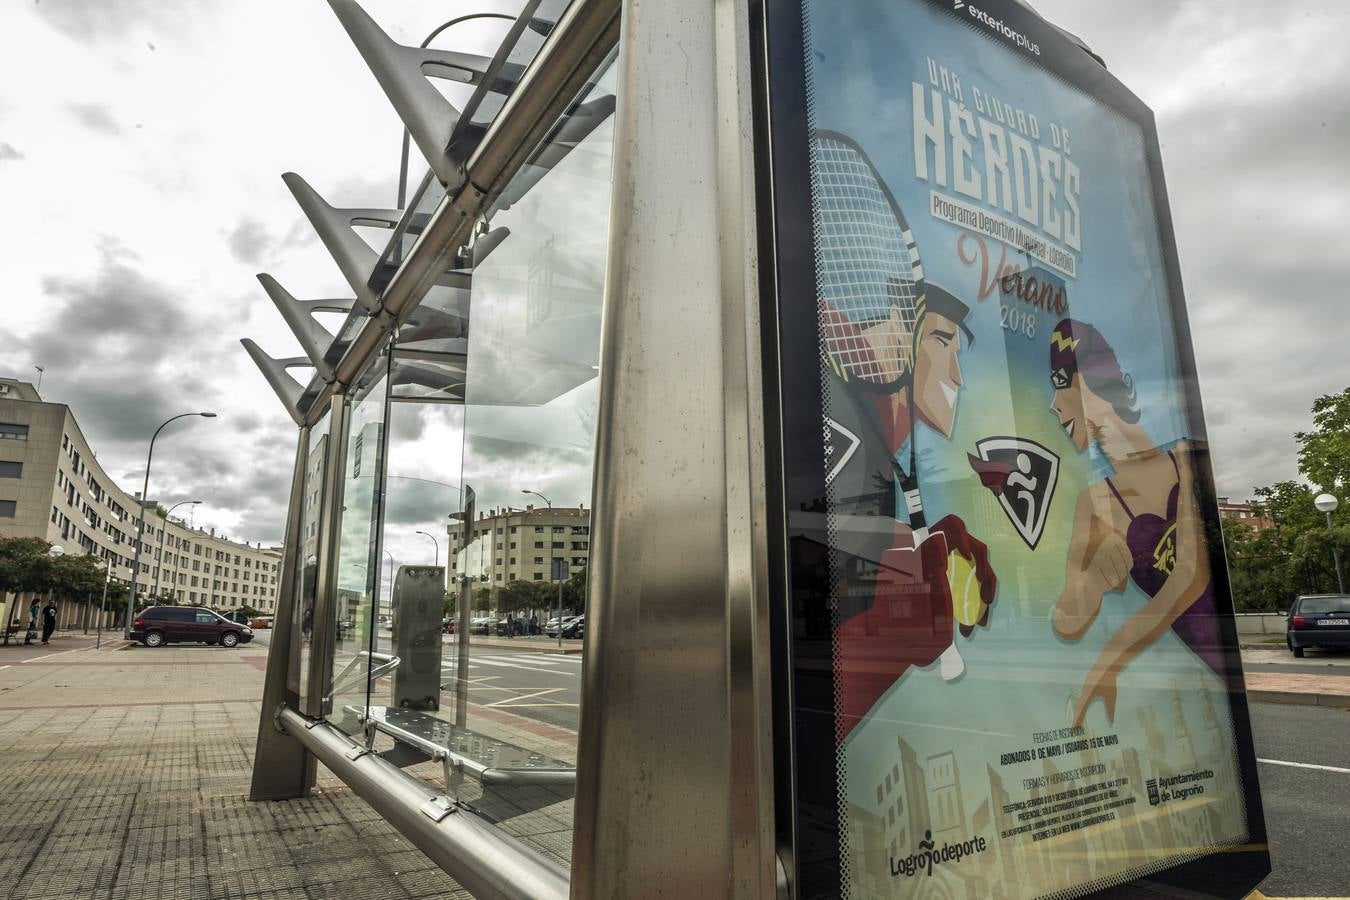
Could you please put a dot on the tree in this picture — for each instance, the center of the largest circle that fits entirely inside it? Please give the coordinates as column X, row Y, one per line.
column 574, row 590
column 482, row 599
column 24, row 565
column 1324, row 452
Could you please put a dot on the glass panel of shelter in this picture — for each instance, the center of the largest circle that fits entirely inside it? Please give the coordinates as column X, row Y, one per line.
column 503, row 409
column 360, row 607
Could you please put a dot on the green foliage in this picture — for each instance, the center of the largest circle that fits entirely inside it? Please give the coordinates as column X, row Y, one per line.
column 518, row 596
column 482, row 599
column 574, row 591
column 24, row 565
column 1296, row 556
column 1324, row 452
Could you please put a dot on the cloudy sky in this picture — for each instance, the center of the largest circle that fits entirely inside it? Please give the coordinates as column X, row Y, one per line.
column 141, row 145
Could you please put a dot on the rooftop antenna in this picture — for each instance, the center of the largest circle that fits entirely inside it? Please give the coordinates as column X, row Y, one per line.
column 40, row 370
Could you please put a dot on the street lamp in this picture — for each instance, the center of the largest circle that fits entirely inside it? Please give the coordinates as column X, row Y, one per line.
column 436, row 560
column 140, row 528
column 551, row 558
column 159, row 568
column 103, row 604
column 1327, row 503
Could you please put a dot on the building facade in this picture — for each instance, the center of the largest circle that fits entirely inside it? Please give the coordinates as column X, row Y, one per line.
column 53, row 487
column 1247, row 512
column 530, row 544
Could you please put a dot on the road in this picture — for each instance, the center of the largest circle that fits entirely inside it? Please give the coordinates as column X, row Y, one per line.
column 529, row 682
column 1305, row 807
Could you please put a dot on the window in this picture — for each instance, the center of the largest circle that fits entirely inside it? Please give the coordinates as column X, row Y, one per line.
column 513, row 545
column 539, row 545
column 7, row 509
column 557, row 545
column 513, row 529
column 538, row 560
column 11, row 431
column 513, row 560
column 11, row 470
column 558, row 529
column 539, row 529
column 538, row 576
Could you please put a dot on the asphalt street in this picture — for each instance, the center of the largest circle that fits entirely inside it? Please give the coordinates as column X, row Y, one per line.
column 1305, row 805
column 529, row 682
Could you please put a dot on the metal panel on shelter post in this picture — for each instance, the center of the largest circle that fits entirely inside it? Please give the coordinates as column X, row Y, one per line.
column 1010, row 662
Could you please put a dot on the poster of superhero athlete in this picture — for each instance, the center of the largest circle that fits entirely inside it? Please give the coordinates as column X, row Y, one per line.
column 1030, row 691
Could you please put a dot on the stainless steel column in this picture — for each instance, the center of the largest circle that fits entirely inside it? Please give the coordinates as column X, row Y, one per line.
column 674, row 762
column 282, row 768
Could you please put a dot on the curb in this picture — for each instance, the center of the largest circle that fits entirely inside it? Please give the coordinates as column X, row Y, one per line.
column 527, row 643
column 1299, row 698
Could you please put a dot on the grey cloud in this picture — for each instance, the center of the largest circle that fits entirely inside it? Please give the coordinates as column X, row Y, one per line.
column 249, row 241
column 112, row 19
column 7, row 151
column 94, row 117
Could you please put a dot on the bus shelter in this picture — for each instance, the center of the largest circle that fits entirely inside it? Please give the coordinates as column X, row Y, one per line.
column 832, row 359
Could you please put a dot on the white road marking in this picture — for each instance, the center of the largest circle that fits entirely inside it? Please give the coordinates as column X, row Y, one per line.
column 1297, row 765
column 508, row 702
column 49, row 655
column 4, row 667
column 535, row 669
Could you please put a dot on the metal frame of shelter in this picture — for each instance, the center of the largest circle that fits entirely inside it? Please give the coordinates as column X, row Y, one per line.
column 659, row 811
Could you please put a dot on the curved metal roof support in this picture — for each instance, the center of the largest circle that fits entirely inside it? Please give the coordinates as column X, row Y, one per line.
column 402, row 72
column 334, row 225
column 299, row 315
column 287, row 389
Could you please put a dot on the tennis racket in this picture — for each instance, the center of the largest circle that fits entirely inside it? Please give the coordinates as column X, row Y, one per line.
column 869, row 278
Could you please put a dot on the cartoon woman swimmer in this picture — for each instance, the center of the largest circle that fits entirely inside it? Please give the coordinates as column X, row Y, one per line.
column 1141, row 524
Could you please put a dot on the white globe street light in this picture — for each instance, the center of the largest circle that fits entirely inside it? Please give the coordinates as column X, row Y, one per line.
column 1327, row 503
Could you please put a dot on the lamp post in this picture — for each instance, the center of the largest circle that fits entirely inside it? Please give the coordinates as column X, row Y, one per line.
column 551, row 558
column 436, row 560
column 160, row 559
column 1327, row 503
column 140, row 528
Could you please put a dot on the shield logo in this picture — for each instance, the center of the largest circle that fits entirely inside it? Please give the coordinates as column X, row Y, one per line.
column 1022, row 475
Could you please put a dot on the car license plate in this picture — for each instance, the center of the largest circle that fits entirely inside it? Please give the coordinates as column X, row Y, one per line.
column 1334, row 622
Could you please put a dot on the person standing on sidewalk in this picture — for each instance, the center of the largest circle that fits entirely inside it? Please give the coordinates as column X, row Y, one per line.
column 48, row 621
column 32, row 622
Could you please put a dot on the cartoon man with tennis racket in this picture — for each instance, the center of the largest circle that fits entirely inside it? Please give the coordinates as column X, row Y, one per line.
column 891, row 340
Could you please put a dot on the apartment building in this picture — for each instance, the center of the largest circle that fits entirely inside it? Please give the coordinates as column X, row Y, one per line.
column 53, row 487
column 521, row 544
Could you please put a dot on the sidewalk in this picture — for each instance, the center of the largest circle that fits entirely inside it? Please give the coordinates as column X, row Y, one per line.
column 124, row 774
column 1330, row 686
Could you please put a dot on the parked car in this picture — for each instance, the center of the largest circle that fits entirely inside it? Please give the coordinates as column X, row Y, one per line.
column 1318, row 620
column 156, row 626
column 239, row 617
column 448, row 626
column 575, row 628
column 260, row 622
column 482, row 625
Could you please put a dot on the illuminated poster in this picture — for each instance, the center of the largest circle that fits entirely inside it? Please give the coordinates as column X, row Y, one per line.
column 1033, row 686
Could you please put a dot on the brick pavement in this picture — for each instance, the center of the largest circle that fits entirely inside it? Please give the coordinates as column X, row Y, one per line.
column 107, row 791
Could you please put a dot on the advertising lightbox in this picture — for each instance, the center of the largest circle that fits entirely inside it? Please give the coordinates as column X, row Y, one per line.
column 1009, row 633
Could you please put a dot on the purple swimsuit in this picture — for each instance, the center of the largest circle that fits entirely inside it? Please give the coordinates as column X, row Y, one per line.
column 1153, row 546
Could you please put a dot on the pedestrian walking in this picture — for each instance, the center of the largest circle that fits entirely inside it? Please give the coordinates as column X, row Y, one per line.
column 48, row 621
